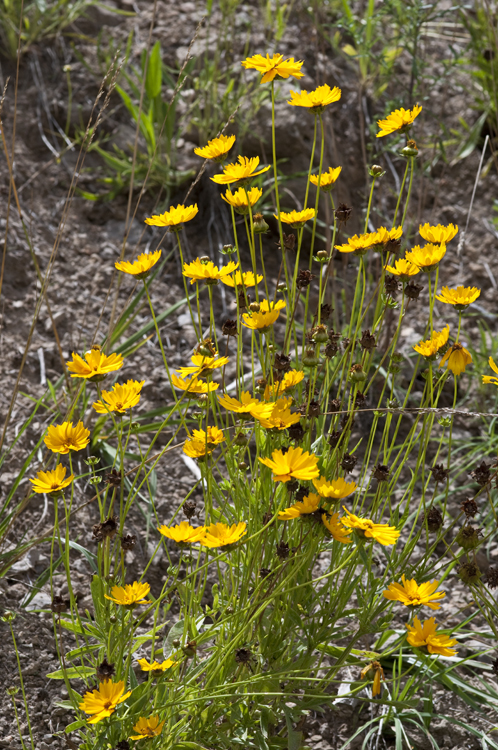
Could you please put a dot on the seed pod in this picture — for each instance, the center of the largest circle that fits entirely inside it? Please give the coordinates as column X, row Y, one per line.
column 468, row 537
column 469, row 572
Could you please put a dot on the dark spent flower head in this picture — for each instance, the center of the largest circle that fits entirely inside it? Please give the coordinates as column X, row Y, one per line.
column 106, row 529
column 311, row 409
column 381, row 473
column 301, row 493
column 326, row 311
column 292, row 486
column 242, row 300
column 412, row 290
column 359, row 400
column 348, row 462
column 335, row 405
column 282, row 362
column 343, row 212
column 114, row 478
column 229, row 328
column 304, row 279
column 105, row 670
column 392, row 246
column 128, row 541
column 391, row 285
column 439, row 473
column 492, row 578
column 289, row 242
column 59, row 604
column 367, row 341
column 265, row 572
column 296, row 432
column 481, row 474
column 434, row 519
column 122, row 745
column 189, row 508
column 282, row 550
column 243, row 656
column 469, row 507
column 468, row 537
column 469, row 572
column 334, row 438
column 330, row 350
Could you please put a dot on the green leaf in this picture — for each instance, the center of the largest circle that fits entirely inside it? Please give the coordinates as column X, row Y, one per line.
column 73, row 673
column 175, row 633
column 153, row 79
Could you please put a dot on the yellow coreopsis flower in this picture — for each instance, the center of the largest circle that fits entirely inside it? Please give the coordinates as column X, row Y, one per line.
column 385, row 235
column 296, row 219
column 403, row 269
column 203, row 442
column 456, row 359
column 439, row 235
column 401, row 119
column 140, row 267
column 290, row 379
column 174, row 218
column 202, row 365
column 156, row 666
column 221, row 535
column 316, row 100
column 247, row 407
column 193, row 385
column 358, row 244
column 129, row 595
column 336, row 528
column 95, row 365
column 461, row 297
column 64, row 437
column 366, row 528
column 122, row 397
column 427, row 258
column 104, row 701
column 244, row 170
column 147, row 728
column 239, row 199
column 411, row 594
column 431, row 347
column 200, row 270
column 327, row 179
column 183, row 533
column 378, row 676
column 281, row 417
column 216, row 149
column 309, row 504
column 424, row 634
column 265, row 317
column 242, row 279
column 336, row 489
column 51, row 481
column 270, row 67
column 293, row 463
column 487, row 379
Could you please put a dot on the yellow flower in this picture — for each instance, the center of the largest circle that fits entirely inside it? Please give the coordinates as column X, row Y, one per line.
column 427, row 258
column 387, row 235
column 290, row 379
column 358, row 244
column 129, row 595
column 461, row 297
column 104, row 701
column 208, row 272
column 309, row 504
column 141, row 266
column 51, row 481
column 193, row 385
column 247, row 407
column 238, row 279
column 239, row 201
column 121, row 398
column 378, row 676
column 337, row 489
column 294, row 463
column 424, row 634
column 274, row 66
column 174, row 218
column 202, row 365
column 439, row 235
column 64, row 437
column 400, row 119
column 411, row 594
column 156, row 666
column 456, row 359
column 336, row 528
column 220, row 535
column 315, row 100
column 487, row 379
column 201, row 443
column 95, row 366
column 327, row 179
column 217, row 149
column 404, row 269
column 281, row 417
column 381, row 532
column 147, row 728
column 296, row 218
column 244, row 170
column 431, row 347
column 267, row 315
column 183, row 533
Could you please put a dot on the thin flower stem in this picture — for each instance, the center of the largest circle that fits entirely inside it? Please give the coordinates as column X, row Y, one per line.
column 400, row 193
column 26, row 709
column 275, row 176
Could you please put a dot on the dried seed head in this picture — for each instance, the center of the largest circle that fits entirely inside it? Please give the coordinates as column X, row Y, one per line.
column 343, row 212
column 243, row 656
column 311, row 409
column 391, row 285
column 304, row 279
column 412, row 290
column 335, row 405
column 265, row 572
column 469, row 572
column 345, row 343
column 292, row 486
column 492, row 578
column 296, row 432
column 105, row 671
column 367, row 341
column 348, row 462
column 468, row 537
column 190, row 649
column 189, row 508
column 481, row 474
column 320, row 334
column 326, row 311
column 439, row 473
column 289, row 242
column 434, row 519
column 106, row 529
column 469, row 507
column 114, row 478
column 357, row 374
column 128, row 541
column 59, row 605
column 229, row 328
column 282, row 362
column 243, row 301
column 334, row 438
column 122, row 745
column 330, row 350
column 359, row 400
column 301, row 494
column 381, row 473
column 282, row 550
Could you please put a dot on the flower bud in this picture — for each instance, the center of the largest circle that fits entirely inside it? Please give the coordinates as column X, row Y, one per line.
column 243, row 466
column 310, row 358
column 376, row 171
column 467, row 537
column 254, row 307
column 259, row 224
column 322, row 256
column 320, row 334
column 410, row 150
column 228, row 249
column 357, row 374
column 204, row 259
column 469, row 572
column 240, row 440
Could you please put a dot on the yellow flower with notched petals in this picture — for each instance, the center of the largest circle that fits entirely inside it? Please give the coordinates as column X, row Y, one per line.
column 270, row 67
column 221, row 535
column 147, row 728
column 431, row 347
column 358, row 244
column 385, row 235
column 183, row 533
column 265, row 317
column 411, row 594
column 296, row 218
column 217, row 149
column 456, row 359
column 129, row 595
column 244, row 170
column 403, row 269
column 51, row 481
column 315, row 100
column 104, row 701
column 439, row 235
column 365, row 527
column 241, row 279
column 203, row 442
column 461, row 297
column 487, row 379
column 424, row 634
column 156, row 666
column 294, row 463
column 95, row 365
column 175, row 217
column 336, row 528
column 64, row 437
column 193, row 385
column 281, row 417
column 202, row 365
column 247, row 407
column 241, row 199
column 290, row 379
column 401, row 119
column 208, row 272
column 327, row 179
column 121, row 398
column 336, row 489
column 140, row 267
column 427, row 258
column 309, row 504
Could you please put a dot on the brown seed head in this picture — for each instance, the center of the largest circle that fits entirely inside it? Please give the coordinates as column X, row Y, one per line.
column 114, row 478
column 381, row 473
column 282, row 550
column 289, row 242
column 492, row 578
column 59, row 605
column 243, row 656
column 326, row 311
column 229, row 328
column 128, row 541
column 296, row 432
column 122, row 745
column 434, row 519
column 335, row 405
column 469, row 572
column 359, row 400
column 304, row 279
column 348, row 462
column 334, row 438
column 468, row 537
column 412, row 290
column 392, row 246
column 481, row 474
column 265, row 572
column 105, row 670
column 242, row 301
column 106, row 529
column 282, row 362
column 301, row 494
column 469, row 507
column 342, row 213
column 330, row 350
column 439, row 473
column 367, row 341
column 391, row 285
column 189, row 508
